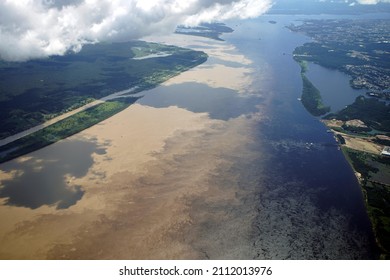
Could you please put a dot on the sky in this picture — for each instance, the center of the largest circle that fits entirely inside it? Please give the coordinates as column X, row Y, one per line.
column 40, row 28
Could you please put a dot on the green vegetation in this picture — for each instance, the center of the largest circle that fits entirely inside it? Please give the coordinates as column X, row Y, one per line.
column 382, row 142
column 373, row 169
column 359, row 162
column 340, row 139
column 149, row 49
column 372, row 112
column 303, row 64
column 208, row 30
column 322, row 55
column 311, row 98
column 34, row 91
column 64, row 128
column 378, row 206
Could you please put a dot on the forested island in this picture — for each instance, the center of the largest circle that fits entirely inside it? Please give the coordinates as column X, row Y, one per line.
column 311, row 96
column 360, row 49
column 207, row 30
column 36, row 91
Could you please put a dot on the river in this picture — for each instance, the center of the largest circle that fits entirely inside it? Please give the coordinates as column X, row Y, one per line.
column 297, row 193
column 310, row 204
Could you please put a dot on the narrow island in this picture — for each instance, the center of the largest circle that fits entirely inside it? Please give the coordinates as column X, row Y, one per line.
column 358, row 48
column 86, row 87
column 207, row 30
column 311, row 96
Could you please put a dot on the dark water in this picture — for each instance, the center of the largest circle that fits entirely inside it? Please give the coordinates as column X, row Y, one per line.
column 309, row 186
column 42, row 178
column 334, row 86
column 219, row 103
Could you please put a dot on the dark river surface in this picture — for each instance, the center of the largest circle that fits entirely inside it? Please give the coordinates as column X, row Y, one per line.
column 311, row 187
column 308, row 201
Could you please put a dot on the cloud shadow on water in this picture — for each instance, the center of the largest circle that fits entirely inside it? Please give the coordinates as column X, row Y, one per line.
column 219, row 103
column 42, row 179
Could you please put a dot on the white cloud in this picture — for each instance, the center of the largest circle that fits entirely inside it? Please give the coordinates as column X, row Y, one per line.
column 39, row 28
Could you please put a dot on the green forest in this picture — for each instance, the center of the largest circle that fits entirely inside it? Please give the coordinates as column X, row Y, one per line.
column 373, row 112
column 311, row 99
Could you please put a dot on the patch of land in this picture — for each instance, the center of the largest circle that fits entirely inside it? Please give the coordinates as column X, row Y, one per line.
column 373, row 114
column 208, row 30
column 63, row 128
column 311, row 96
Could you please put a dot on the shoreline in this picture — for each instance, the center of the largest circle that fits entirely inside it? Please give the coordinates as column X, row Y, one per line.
column 363, row 181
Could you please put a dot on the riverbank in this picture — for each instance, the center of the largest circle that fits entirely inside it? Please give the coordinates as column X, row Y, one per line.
column 372, row 171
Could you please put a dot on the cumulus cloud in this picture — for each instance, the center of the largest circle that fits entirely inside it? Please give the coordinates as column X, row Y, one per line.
column 39, row 28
